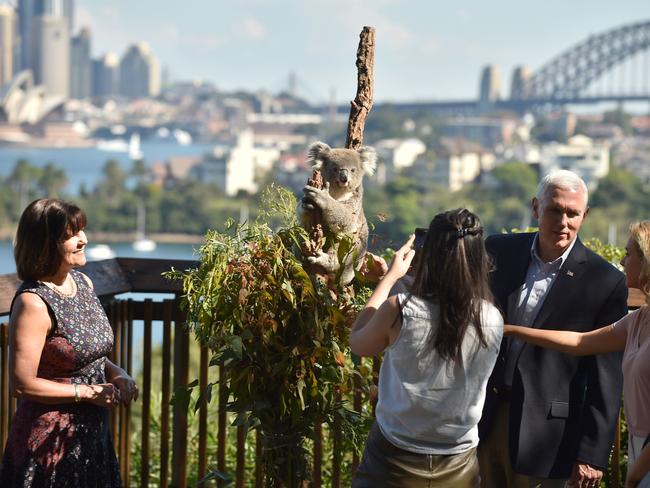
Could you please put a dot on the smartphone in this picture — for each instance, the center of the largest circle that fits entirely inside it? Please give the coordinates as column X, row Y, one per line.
column 420, row 237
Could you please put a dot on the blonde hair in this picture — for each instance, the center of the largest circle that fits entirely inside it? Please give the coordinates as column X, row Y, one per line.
column 640, row 232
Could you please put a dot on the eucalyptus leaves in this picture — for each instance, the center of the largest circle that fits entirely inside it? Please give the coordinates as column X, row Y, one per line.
column 280, row 336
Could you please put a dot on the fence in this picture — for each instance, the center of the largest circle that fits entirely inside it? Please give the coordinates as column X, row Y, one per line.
column 165, row 319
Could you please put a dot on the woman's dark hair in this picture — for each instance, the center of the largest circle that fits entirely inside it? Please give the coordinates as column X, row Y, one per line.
column 453, row 271
column 43, row 226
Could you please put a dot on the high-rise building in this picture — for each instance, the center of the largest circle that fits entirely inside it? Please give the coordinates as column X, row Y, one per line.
column 139, row 72
column 105, row 76
column 154, row 77
column 51, row 54
column 490, row 84
column 60, row 8
column 28, row 12
column 7, row 37
column 80, row 65
column 518, row 87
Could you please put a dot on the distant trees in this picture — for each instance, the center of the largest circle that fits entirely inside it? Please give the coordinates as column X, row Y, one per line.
column 25, row 183
column 502, row 200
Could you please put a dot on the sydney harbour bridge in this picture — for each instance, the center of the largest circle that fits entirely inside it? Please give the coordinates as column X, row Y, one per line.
column 613, row 66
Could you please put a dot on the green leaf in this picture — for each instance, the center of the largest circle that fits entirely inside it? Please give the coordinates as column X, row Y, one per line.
column 183, row 394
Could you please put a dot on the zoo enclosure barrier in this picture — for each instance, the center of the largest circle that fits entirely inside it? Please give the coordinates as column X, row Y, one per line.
column 170, row 458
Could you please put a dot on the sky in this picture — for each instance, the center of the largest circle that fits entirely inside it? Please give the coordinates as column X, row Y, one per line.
column 425, row 49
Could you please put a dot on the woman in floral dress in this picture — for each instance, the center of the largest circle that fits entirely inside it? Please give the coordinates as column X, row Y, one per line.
column 59, row 338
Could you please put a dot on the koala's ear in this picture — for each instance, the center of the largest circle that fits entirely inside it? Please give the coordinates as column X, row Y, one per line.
column 315, row 154
column 368, row 157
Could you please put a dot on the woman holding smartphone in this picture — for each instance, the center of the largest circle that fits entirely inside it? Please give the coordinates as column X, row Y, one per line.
column 440, row 341
column 631, row 334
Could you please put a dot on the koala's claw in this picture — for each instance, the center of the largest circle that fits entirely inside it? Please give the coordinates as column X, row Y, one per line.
column 307, row 204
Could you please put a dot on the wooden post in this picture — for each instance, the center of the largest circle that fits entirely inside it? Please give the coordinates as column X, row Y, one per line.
column 362, row 103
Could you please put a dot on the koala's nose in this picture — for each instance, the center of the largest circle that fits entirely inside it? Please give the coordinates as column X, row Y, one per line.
column 343, row 176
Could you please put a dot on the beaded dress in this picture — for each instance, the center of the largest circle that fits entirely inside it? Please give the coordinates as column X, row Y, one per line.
column 68, row 444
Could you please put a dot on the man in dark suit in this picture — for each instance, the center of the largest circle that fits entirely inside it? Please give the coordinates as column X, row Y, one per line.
column 549, row 418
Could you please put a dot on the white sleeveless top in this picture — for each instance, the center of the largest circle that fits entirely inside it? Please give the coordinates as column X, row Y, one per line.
column 428, row 405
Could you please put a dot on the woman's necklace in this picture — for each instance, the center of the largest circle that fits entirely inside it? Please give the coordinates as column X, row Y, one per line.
column 68, row 288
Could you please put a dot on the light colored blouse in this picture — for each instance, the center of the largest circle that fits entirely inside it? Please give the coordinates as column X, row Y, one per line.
column 428, row 405
column 636, row 371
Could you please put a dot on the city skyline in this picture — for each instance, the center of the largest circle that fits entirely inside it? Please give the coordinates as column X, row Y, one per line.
column 423, row 52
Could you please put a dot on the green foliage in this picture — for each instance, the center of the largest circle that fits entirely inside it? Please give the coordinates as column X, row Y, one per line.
column 515, row 179
column 281, row 336
column 502, row 200
column 621, row 187
column 610, row 252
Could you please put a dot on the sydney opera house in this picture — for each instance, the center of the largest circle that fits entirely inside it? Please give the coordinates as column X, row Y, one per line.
column 27, row 114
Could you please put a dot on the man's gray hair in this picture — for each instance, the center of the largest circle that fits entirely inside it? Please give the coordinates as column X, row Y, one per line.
column 562, row 179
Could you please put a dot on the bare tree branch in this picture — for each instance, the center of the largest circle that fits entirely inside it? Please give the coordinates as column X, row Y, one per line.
column 362, row 104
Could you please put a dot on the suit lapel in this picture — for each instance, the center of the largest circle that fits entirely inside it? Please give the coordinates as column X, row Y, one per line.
column 559, row 296
column 514, row 272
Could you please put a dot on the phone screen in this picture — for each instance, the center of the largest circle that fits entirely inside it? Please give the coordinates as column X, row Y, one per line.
column 420, row 236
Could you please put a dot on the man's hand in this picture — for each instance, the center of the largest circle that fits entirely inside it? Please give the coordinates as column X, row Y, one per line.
column 584, row 476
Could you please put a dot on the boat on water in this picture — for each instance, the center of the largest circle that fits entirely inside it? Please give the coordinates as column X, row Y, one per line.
column 183, row 138
column 135, row 153
column 142, row 243
column 98, row 252
column 113, row 145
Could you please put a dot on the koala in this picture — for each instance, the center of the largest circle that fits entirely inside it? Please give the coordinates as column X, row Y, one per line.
column 340, row 202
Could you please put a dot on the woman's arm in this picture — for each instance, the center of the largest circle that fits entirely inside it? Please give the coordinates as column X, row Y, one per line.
column 639, row 469
column 28, row 328
column 126, row 389
column 605, row 339
column 374, row 329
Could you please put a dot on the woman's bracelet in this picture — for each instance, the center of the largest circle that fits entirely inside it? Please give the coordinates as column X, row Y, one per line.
column 77, row 398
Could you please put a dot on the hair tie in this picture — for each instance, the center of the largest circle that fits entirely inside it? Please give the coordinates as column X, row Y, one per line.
column 460, row 233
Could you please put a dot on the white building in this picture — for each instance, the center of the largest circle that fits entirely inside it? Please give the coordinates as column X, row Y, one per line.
column 395, row 155
column 457, row 163
column 581, row 155
column 240, row 167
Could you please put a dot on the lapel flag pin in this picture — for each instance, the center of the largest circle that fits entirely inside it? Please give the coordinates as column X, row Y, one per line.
column 569, row 273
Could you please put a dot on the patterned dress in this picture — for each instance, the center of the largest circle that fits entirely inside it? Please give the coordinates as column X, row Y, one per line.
column 69, row 444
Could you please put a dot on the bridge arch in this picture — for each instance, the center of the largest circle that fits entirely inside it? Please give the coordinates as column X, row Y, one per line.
column 570, row 73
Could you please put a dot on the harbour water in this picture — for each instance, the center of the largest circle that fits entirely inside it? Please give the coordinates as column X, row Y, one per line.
column 122, row 249
column 84, row 165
